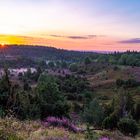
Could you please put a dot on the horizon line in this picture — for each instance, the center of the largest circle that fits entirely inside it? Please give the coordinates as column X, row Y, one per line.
column 90, row 51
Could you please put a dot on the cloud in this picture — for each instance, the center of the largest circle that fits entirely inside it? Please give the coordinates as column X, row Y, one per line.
column 131, row 41
column 75, row 37
column 56, row 35
column 78, row 37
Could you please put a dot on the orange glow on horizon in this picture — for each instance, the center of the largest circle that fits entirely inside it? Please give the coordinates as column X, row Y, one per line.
column 92, row 44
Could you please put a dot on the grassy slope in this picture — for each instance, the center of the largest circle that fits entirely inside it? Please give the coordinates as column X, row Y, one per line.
column 34, row 130
column 104, row 86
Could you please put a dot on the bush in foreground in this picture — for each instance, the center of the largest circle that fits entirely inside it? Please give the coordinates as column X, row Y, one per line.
column 128, row 126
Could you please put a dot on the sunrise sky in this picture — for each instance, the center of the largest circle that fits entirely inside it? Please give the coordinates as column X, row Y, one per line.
column 104, row 25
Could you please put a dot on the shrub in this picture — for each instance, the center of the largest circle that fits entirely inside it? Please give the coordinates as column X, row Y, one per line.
column 110, row 122
column 128, row 126
column 136, row 112
column 2, row 112
column 51, row 100
column 131, row 83
column 93, row 113
column 26, row 106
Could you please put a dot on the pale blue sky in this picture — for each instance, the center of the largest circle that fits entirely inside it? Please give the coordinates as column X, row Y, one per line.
column 107, row 17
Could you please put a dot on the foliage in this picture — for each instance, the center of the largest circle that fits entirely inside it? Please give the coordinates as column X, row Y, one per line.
column 51, row 101
column 124, row 103
column 5, row 87
column 109, row 108
column 46, row 100
column 26, row 105
column 128, row 126
column 73, row 84
column 2, row 112
column 7, row 92
column 121, row 106
column 28, row 55
column 136, row 111
column 93, row 113
column 110, row 122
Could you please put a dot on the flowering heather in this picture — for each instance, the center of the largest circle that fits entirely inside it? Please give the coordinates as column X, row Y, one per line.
column 75, row 117
column 64, row 122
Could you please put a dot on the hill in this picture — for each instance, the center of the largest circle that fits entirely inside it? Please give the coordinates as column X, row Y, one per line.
column 36, row 52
